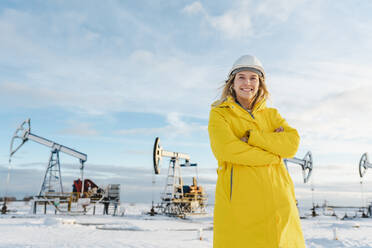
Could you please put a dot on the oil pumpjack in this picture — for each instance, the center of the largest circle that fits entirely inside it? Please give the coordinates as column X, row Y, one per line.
column 52, row 182
column 306, row 164
column 364, row 164
column 178, row 199
column 84, row 193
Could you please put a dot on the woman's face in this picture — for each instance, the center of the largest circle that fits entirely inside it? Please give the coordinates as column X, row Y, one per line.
column 246, row 84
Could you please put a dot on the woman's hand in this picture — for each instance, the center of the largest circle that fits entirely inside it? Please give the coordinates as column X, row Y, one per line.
column 246, row 136
column 279, row 129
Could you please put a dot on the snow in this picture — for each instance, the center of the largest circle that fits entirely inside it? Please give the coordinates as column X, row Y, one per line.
column 319, row 232
column 134, row 229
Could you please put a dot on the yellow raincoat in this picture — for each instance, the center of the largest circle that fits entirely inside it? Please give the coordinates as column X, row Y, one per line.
column 255, row 202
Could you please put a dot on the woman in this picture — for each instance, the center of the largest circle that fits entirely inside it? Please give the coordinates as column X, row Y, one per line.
column 255, row 202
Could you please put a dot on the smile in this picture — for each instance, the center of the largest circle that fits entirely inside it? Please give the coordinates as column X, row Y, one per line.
column 246, row 89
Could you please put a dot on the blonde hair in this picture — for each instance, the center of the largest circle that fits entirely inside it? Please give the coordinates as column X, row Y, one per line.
column 227, row 90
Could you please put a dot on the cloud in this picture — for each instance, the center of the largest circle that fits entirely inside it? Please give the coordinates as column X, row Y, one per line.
column 246, row 18
column 102, row 67
column 194, row 8
column 143, row 82
column 277, row 10
column 79, row 129
column 175, row 127
column 328, row 101
column 234, row 24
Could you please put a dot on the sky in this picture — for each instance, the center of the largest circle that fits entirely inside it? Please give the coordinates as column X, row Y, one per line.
column 106, row 78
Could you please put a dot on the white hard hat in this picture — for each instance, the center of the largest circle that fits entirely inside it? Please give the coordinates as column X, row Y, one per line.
column 247, row 63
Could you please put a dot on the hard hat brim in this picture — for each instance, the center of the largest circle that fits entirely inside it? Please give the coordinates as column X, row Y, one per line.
column 252, row 69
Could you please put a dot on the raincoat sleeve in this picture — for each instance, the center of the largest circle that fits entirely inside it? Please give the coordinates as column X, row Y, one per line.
column 227, row 147
column 284, row 144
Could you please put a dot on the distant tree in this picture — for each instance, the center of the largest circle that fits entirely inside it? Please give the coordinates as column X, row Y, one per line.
column 8, row 198
column 27, row 198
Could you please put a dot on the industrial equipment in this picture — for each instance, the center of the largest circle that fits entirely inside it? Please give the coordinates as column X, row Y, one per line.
column 52, row 182
column 4, row 208
column 364, row 164
column 178, row 199
column 306, row 164
column 51, row 191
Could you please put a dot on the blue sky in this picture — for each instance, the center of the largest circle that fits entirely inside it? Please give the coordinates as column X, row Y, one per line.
column 107, row 77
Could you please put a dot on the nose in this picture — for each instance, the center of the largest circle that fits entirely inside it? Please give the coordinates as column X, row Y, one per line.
column 247, row 81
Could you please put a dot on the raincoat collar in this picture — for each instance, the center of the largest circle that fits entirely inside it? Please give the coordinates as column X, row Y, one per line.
column 230, row 101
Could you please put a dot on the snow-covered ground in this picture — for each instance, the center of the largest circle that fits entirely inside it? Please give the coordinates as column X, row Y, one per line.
column 135, row 229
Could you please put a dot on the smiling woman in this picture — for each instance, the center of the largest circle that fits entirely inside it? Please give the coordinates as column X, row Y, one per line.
column 255, row 202
column 245, row 87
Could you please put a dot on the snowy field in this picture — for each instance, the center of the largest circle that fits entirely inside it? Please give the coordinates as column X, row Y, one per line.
column 135, row 229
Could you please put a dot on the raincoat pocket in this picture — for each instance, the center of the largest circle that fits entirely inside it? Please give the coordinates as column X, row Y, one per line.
column 231, row 181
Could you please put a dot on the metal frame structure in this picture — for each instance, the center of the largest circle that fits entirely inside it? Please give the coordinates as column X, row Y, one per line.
column 52, row 182
column 306, row 164
column 52, row 178
column 174, row 200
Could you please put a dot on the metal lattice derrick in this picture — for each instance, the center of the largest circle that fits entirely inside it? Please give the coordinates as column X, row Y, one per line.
column 52, row 183
column 178, row 199
column 173, row 187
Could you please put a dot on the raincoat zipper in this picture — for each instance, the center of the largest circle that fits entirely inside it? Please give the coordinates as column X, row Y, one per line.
column 250, row 114
column 245, row 109
column 231, row 182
